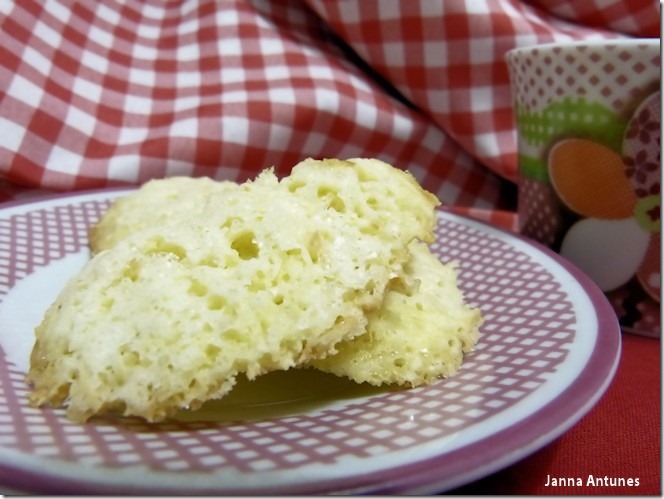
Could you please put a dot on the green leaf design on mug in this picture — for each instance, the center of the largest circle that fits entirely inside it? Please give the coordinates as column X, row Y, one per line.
column 647, row 213
column 533, row 168
column 571, row 117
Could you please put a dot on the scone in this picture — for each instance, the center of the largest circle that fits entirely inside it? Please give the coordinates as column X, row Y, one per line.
column 420, row 333
column 263, row 279
column 374, row 194
column 377, row 196
column 155, row 204
column 423, row 327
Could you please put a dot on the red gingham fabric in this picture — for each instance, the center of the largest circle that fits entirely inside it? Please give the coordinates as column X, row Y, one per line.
column 639, row 18
column 448, row 57
column 94, row 94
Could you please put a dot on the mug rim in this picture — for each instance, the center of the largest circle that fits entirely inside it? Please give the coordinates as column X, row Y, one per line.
column 575, row 44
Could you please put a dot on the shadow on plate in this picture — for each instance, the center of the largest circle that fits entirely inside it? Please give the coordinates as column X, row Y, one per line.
column 274, row 395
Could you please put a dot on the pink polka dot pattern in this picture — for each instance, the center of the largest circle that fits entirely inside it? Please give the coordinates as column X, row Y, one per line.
column 614, row 77
column 539, row 212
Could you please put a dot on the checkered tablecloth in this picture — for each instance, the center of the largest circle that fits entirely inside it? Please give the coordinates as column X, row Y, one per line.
column 94, row 94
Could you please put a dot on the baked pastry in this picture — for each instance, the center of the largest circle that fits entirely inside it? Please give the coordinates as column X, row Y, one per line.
column 156, row 203
column 419, row 334
column 423, row 327
column 264, row 278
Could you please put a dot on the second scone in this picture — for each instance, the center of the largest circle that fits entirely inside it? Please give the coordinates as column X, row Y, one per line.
column 419, row 334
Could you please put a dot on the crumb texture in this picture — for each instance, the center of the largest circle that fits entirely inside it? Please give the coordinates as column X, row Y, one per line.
column 419, row 334
column 194, row 282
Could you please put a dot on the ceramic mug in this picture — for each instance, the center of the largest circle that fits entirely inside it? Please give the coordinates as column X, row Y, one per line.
column 588, row 129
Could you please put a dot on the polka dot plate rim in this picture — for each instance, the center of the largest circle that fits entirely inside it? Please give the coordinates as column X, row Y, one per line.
column 548, row 350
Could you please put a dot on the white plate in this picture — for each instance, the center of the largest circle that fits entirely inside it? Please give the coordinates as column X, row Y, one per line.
column 549, row 348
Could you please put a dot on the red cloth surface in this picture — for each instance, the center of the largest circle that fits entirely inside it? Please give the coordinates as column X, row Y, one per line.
column 94, row 94
column 619, row 437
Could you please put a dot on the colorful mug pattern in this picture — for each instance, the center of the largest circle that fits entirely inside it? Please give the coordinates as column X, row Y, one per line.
column 588, row 121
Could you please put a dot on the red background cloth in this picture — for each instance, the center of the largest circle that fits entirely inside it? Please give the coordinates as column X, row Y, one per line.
column 99, row 94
